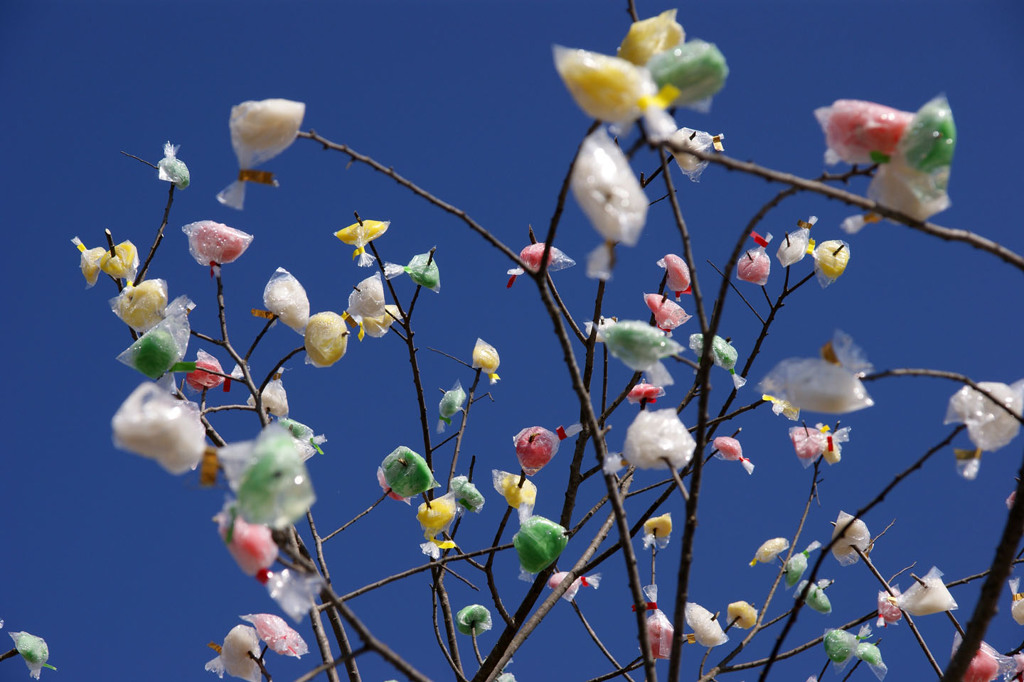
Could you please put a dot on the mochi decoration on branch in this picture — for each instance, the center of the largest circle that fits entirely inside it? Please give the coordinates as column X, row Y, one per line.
column 829, row 384
column 610, row 196
column 848, row 536
column 212, row 243
column 889, row 608
column 659, row 628
column 366, row 301
column 202, row 377
column 120, row 262
column 466, row 494
column 234, row 658
column 518, row 491
column 89, row 261
column 1017, row 605
column 141, row 306
column 809, row 443
column 154, row 424
column 325, row 339
column 435, row 517
column 667, row 313
column 260, row 130
column 830, row 260
column 531, row 256
column 286, row 298
column 473, row 620
column 677, row 274
column 816, row 597
column 989, row 425
column 769, row 550
column 422, row 270
column 741, row 614
column 450, row 405
column 644, row 394
column 987, row 664
column 536, row 446
column 731, row 450
column 306, row 441
column 754, row 266
column 277, row 634
column 486, row 358
column 841, row 647
column 860, row 132
column 640, row 346
column 648, row 37
column 927, row 595
column 706, row 628
column 33, row 650
column 171, row 168
column 723, row 354
column 797, row 243
column 251, row 545
column 583, row 581
column 379, row 326
column 658, row 439
column 797, row 564
column 657, row 531
column 160, row 349
column 361, row 233
column 695, row 69
column 273, row 398
column 686, row 140
column 404, row 474
column 275, row 489
column 538, row 542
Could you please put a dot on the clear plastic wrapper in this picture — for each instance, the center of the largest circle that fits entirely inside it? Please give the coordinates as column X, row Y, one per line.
column 273, row 398
column 33, row 651
column 840, row 646
column 677, row 274
column 466, row 494
column 855, row 223
column 285, row 297
column 277, row 634
column 606, row 88
column 796, row 244
column 797, row 564
column 686, row 140
column 657, row 531
column 833, row 451
column 830, row 260
column 919, row 195
column 275, row 489
column 968, row 462
column 474, row 619
column 123, row 264
column 406, row 473
column 988, row 425
column 928, row 596
column 667, row 313
column 213, row 243
column 987, row 664
column 741, row 614
column 325, row 338
column 536, row 446
column 645, row 393
column 250, row 544
column 696, row 68
column 659, row 628
column 861, row 132
column 141, row 306
column 755, row 266
column 1017, row 605
column 731, row 450
column 201, row 379
column 154, row 424
column 539, row 542
column 234, row 655
column 366, row 301
column 436, row 518
column 294, row 592
column 808, row 443
column 610, row 196
column 450, row 405
column 171, row 168
column 378, row 326
column 583, row 581
column 658, row 439
column 89, row 261
column 640, row 347
column 723, row 354
column 782, row 407
column 361, row 233
column 486, row 358
column 518, row 491
column 706, row 628
column 817, row 385
column 531, row 256
column 157, row 351
column 422, row 270
column 816, row 597
column 889, row 608
column 307, row 442
column 769, row 549
column 930, row 139
column 650, row 36
column 260, row 130
column 849, row 535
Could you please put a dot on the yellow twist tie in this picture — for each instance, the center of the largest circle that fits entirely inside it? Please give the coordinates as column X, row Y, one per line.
column 967, row 455
column 447, row 544
column 258, row 176
column 810, row 246
column 265, row 314
column 716, row 142
column 662, row 100
column 358, row 252
column 493, row 377
column 690, row 638
column 1017, row 596
column 362, row 332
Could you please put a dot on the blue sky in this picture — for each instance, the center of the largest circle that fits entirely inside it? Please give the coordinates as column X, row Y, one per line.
column 117, row 563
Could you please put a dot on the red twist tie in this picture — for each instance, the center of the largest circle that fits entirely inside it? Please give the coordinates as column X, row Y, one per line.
column 561, row 433
column 511, row 281
column 758, row 239
column 651, row 605
column 263, row 576
column 212, row 266
column 830, row 448
column 227, row 384
column 583, row 581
